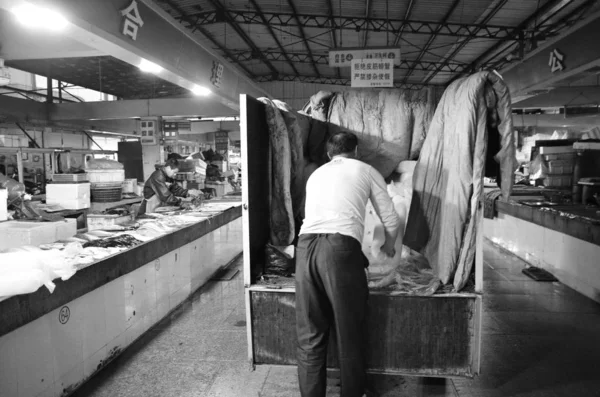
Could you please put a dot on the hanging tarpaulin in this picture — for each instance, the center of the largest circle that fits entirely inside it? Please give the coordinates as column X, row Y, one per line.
column 368, row 73
column 343, row 57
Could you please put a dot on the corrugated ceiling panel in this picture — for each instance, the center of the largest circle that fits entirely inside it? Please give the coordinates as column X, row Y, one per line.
column 431, row 10
column 472, row 50
column 350, row 8
column 318, row 7
column 468, row 11
column 284, row 67
column 394, row 9
column 258, row 68
column 515, row 11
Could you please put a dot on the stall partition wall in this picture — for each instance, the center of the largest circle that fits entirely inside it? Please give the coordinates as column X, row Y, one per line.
column 425, row 336
column 57, row 352
column 573, row 261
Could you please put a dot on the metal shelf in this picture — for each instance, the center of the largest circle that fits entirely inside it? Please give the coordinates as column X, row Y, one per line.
column 53, row 151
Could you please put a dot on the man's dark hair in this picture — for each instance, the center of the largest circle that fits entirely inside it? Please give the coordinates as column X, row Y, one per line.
column 173, row 163
column 342, row 142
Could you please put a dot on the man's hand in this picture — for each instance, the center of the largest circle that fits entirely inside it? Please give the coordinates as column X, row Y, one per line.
column 388, row 249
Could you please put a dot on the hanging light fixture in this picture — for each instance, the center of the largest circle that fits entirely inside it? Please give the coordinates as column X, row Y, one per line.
column 39, row 17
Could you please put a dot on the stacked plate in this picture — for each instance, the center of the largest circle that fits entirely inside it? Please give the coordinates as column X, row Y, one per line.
column 106, row 192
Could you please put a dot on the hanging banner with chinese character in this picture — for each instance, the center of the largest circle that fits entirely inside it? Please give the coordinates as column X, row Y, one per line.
column 132, row 20
column 343, row 57
column 372, row 73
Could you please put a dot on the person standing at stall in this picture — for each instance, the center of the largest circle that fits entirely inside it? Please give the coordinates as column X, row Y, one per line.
column 331, row 284
column 161, row 189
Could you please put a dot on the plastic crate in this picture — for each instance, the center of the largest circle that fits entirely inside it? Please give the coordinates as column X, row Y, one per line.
column 559, row 156
column 560, row 167
column 558, row 181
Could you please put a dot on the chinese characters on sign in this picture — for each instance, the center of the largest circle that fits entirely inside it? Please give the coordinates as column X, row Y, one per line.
column 556, row 61
column 216, row 74
column 132, row 20
column 221, row 141
column 344, row 57
column 372, row 73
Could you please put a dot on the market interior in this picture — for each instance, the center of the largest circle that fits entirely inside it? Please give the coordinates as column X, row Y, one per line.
column 154, row 158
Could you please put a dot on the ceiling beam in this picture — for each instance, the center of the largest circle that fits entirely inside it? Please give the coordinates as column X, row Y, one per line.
column 462, row 44
column 357, row 24
column 303, row 35
column 432, row 38
column 333, row 30
column 367, row 12
column 581, row 59
column 192, row 23
column 331, row 81
column 514, row 33
column 127, row 109
column 555, row 121
column 270, row 29
column 500, row 60
column 323, row 59
column 244, row 36
column 409, row 9
column 562, row 96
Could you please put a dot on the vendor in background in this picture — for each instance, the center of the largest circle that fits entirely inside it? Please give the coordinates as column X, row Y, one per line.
column 161, row 189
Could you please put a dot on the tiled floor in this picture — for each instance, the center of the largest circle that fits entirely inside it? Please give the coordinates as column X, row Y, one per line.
column 539, row 339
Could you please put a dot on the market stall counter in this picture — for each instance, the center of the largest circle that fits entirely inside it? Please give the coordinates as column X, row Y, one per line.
column 562, row 238
column 53, row 342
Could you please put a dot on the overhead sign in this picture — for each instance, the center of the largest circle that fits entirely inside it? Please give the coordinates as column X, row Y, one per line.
column 343, row 57
column 556, row 61
column 221, row 140
column 132, row 20
column 216, row 76
column 371, row 73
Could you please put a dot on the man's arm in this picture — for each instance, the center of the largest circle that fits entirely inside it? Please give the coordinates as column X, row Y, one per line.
column 178, row 190
column 384, row 207
column 159, row 184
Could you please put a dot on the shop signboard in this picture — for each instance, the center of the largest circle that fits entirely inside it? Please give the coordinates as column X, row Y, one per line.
column 343, row 57
column 216, row 77
column 221, row 140
column 372, row 73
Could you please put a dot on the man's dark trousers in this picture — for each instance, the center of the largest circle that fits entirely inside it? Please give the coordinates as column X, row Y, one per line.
column 331, row 291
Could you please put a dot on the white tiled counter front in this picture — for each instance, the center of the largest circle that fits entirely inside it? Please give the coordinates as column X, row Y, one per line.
column 53, row 354
column 575, row 262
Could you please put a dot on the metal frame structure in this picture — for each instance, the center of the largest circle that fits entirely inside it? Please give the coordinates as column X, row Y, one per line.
column 358, row 24
column 548, row 19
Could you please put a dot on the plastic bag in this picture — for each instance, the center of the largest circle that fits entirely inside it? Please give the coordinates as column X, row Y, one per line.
column 538, row 168
column 410, row 274
column 26, row 269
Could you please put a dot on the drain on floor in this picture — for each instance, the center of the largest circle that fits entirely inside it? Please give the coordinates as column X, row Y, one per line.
column 539, row 274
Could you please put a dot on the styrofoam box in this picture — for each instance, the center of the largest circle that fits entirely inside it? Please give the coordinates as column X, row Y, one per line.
column 67, row 191
column 70, row 196
column 103, row 176
column 77, row 204
column 17, row 234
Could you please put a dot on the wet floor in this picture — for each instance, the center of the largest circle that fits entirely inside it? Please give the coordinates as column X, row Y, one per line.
column 539, row 339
